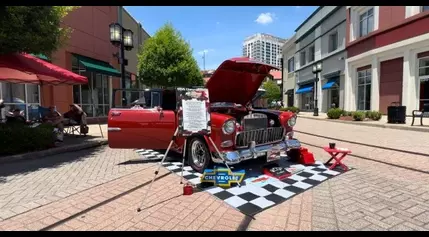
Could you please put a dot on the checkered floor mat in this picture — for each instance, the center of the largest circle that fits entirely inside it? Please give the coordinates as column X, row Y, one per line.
column 254, row 197
column 150, row 154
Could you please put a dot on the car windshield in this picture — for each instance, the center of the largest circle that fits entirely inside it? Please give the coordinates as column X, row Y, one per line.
column 225, row 104
column 257, row 96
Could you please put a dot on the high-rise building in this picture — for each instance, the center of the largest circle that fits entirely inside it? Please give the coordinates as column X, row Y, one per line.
column 264, row 48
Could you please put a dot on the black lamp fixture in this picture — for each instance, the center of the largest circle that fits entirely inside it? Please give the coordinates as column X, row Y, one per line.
column 317, row 68
column 123, row 38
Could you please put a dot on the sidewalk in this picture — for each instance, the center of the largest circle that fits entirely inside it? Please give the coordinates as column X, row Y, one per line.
column 71, row 143
column 382, row 123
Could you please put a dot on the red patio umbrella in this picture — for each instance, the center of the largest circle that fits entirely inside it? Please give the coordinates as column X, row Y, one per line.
column 45, row 72
column 17, row 76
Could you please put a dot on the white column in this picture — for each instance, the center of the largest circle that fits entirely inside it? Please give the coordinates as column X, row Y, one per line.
column 347, row 87
column 413, row 83
column 297, row 98
column 406, row 80
column 376, row 17
column 342, row 97
column 375, row 84
column 353, row 88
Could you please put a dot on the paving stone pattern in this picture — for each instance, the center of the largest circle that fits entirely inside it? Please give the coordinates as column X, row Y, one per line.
column 372, row 196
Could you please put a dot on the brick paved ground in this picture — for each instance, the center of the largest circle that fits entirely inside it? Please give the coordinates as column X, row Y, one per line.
column 373, row 196
column 164, row 209
column 29, row 184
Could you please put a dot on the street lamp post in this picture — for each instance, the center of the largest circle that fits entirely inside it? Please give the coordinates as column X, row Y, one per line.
column 317, row 68
column 123, row 38
column 281, row 76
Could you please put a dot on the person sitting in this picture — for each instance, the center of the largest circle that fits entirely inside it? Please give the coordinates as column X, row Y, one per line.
column 16, row 116
column 54, row 118
column 75, row 115
column 2, row 106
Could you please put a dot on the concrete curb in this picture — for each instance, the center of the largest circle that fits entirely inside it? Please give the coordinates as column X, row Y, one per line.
column 52, row 151
column 408, row 128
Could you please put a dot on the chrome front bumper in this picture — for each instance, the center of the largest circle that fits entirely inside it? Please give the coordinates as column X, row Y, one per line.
column 235, row 157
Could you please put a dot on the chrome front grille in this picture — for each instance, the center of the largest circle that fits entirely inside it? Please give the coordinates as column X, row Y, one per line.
column 259, row 136
column 254, row 121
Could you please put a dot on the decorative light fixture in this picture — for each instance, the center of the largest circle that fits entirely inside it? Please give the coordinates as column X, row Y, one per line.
column 123, row 38
column 115, row 33
column 128, row 39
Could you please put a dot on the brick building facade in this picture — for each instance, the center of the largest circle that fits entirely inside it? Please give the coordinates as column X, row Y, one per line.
column 387, row 57
column 87, row 52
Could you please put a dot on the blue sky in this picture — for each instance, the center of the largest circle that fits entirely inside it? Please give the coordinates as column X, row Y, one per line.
column 220, row 30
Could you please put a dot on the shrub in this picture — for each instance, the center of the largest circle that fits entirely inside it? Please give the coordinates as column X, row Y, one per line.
column 18, row 138
column 334, row 113
column 358, row 116
column 374, row 115
column 346, row 113
column 291, row 109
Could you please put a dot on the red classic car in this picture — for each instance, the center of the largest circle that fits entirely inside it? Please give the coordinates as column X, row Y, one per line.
column 239, row 131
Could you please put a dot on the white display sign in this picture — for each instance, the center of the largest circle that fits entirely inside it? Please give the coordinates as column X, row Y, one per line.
column 194, row 115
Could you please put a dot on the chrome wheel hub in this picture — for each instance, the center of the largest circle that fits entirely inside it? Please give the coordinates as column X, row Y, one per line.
column 198, row 153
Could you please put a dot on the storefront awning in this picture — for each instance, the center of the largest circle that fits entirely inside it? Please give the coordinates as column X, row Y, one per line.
column 288, row 92
column 305, row 89
column 41, row 56
column 330, row 84
column 98, row 66
column 25, row 68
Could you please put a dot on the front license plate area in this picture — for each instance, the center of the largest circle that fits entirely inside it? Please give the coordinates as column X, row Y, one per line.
column 273, row 154
column 293, row 143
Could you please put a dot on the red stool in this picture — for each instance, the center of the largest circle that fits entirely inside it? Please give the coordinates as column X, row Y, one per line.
column 341, row 152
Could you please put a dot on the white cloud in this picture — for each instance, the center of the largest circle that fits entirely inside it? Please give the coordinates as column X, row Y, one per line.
column 205, row 51
column 265, row 18
column 217, row 23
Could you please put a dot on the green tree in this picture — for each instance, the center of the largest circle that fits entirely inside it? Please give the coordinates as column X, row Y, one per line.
column 272, row 91
column 166, row 60
column 33, row 29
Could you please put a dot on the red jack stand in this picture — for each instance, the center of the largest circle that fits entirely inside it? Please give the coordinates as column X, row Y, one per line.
column 306, row 157
column 188, row 189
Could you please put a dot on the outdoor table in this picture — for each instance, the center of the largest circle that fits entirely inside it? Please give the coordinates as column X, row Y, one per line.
column 337, row 154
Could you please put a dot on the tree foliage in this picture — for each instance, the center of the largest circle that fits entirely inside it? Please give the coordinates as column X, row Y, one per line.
column 272, row 91
column 33, row 29
column 166, row 60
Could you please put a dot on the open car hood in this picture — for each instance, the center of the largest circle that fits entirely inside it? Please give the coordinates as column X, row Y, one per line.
column 237, row 80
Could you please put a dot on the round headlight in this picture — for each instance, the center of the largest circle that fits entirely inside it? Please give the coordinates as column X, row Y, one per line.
column 272, row 122
column 292, row 121
column 228, row 127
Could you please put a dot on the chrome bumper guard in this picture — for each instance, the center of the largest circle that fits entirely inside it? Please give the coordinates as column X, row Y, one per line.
column 235, row 157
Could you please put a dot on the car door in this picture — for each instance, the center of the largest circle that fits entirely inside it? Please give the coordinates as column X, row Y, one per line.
column 141, row 128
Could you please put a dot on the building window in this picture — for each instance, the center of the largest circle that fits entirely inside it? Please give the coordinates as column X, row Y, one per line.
column 425, row 8
column 302, row 58
column 311, row 54
column 364, row 89
column 424, row 68
column 98, row 84
column 424, row 83
column 366, row 22
column 291, row 64
column 333, row 42
column 25, row 97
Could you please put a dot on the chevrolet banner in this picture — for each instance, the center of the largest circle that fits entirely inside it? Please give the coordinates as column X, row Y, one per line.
column 222, row 177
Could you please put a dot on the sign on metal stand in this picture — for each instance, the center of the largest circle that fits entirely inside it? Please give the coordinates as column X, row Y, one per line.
column 193, row 106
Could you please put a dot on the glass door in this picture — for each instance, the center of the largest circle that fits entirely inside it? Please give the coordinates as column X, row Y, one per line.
column 424, row 94
column 307, row 102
